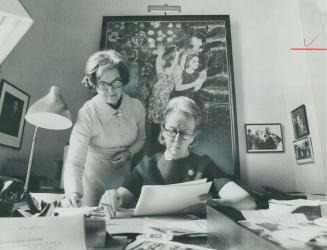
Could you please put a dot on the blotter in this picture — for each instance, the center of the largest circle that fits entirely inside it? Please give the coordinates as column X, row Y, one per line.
column 168, row 199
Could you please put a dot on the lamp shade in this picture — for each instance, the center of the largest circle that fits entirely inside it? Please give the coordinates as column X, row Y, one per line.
column 50, row 112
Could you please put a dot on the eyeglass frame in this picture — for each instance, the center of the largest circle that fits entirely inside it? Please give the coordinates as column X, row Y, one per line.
column 180, row 132
column 110, row 84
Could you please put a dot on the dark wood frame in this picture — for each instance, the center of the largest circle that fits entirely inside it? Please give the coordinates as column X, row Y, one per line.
column 307, row 159
column 12, row 126
column 224, row 150
column 256, row 139
column 301, row 110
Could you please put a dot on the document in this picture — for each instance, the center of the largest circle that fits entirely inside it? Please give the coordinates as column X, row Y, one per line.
column 152, row 243
column 168, row 199
column 42, row 233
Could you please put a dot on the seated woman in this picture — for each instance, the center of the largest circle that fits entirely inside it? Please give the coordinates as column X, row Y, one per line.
column 177, row 164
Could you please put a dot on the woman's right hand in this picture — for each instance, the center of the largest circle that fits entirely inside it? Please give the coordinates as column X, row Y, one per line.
column 72, row 200
column 111, row 201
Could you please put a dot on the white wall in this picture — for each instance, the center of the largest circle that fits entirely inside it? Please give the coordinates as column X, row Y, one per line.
column 270, row 80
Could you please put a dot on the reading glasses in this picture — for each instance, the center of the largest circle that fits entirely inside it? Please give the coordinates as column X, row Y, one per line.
column 115, row 84
column 184, row 135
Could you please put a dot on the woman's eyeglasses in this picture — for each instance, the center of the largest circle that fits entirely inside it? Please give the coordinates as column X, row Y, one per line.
column 115, row 84
column 184, row 135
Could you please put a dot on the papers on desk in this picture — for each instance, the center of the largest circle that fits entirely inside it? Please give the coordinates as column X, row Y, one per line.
column 168, row 199
column 173, row 225
column 150, row 243
column 283, row 223
column 55, row 233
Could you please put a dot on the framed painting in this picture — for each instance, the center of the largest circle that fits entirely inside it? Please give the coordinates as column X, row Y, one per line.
column 300, row 122
column 264, row 138
column 189, row 56
column 13, row 107
column 303, row 150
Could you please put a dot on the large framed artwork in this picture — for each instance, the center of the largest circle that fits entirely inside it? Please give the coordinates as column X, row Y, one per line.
column 190, row 56
column 13, row 107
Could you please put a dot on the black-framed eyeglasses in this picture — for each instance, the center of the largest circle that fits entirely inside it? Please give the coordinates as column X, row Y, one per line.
column 183, row 134
column 115, row 84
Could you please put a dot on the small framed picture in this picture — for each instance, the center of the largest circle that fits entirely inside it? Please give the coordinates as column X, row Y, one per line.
column 264, row 137
column 300, row 122
column 303, row 150
column 13, row 107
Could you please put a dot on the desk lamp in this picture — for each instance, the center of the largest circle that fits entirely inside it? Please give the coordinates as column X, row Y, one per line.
column 49, row 112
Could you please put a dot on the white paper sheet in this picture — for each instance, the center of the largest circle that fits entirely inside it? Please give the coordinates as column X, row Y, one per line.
column 156, row 225
column 42, row 233
column 69, row 211
column 167, row 199
column 178, row 225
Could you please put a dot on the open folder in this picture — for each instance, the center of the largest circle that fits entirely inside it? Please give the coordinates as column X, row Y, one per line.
column 168, row 199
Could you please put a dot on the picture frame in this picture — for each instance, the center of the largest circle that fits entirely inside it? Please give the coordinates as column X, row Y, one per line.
column 300, row 122
column 303, row 150
column 13, row 107
column 264, row 138
column 175, row 41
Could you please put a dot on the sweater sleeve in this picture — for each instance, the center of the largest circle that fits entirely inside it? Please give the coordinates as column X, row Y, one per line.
column 140, row 139
column 214, row 174
column 77, row 151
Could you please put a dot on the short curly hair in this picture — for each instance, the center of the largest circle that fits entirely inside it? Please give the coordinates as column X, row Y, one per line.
column 184, row 105
column 102, row 61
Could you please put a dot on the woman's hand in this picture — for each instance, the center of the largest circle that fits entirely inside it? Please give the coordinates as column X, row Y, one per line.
column 120, row 158
column 199, row 210
column 72, row 200
column 111, row 201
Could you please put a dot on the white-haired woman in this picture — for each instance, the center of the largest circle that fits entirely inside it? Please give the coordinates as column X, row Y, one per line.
column 109, row 131
column 177, row 163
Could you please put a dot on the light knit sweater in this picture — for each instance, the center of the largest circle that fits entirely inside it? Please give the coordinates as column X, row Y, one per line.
column 101, row 129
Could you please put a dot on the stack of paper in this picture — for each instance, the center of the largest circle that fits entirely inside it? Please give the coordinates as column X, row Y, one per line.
column 173, row 225
column 42, row 233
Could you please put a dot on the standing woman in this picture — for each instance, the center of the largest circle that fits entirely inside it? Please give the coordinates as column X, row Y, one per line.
column 109, row 131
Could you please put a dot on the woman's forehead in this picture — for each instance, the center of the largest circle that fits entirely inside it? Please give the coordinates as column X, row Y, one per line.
column 180, row 119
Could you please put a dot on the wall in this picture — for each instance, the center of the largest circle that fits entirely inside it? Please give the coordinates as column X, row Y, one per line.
column 266, row 73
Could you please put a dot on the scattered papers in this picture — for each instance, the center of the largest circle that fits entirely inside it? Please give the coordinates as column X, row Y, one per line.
column 286, row 223
column 173, row 225
column 167, row 199
column 42, row 233
column 141, row 244
column 74, row 211
column 299, row 202
column 177, row 225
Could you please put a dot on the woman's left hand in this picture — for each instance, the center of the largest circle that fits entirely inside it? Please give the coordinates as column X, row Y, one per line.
column 120, row 158
column 199, row 210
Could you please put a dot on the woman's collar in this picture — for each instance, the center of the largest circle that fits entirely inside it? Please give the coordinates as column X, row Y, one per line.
column 106, row 112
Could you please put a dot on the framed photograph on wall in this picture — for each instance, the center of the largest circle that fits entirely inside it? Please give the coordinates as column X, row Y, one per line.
column 303, row 150
column 264, row 138
column 300, row 122
column 13, row 107
column 191, row 56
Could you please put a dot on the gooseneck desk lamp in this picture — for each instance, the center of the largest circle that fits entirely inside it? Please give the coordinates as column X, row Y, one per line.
column 49, row 112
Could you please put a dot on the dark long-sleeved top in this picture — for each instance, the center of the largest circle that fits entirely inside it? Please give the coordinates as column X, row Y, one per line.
column 194, row 167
